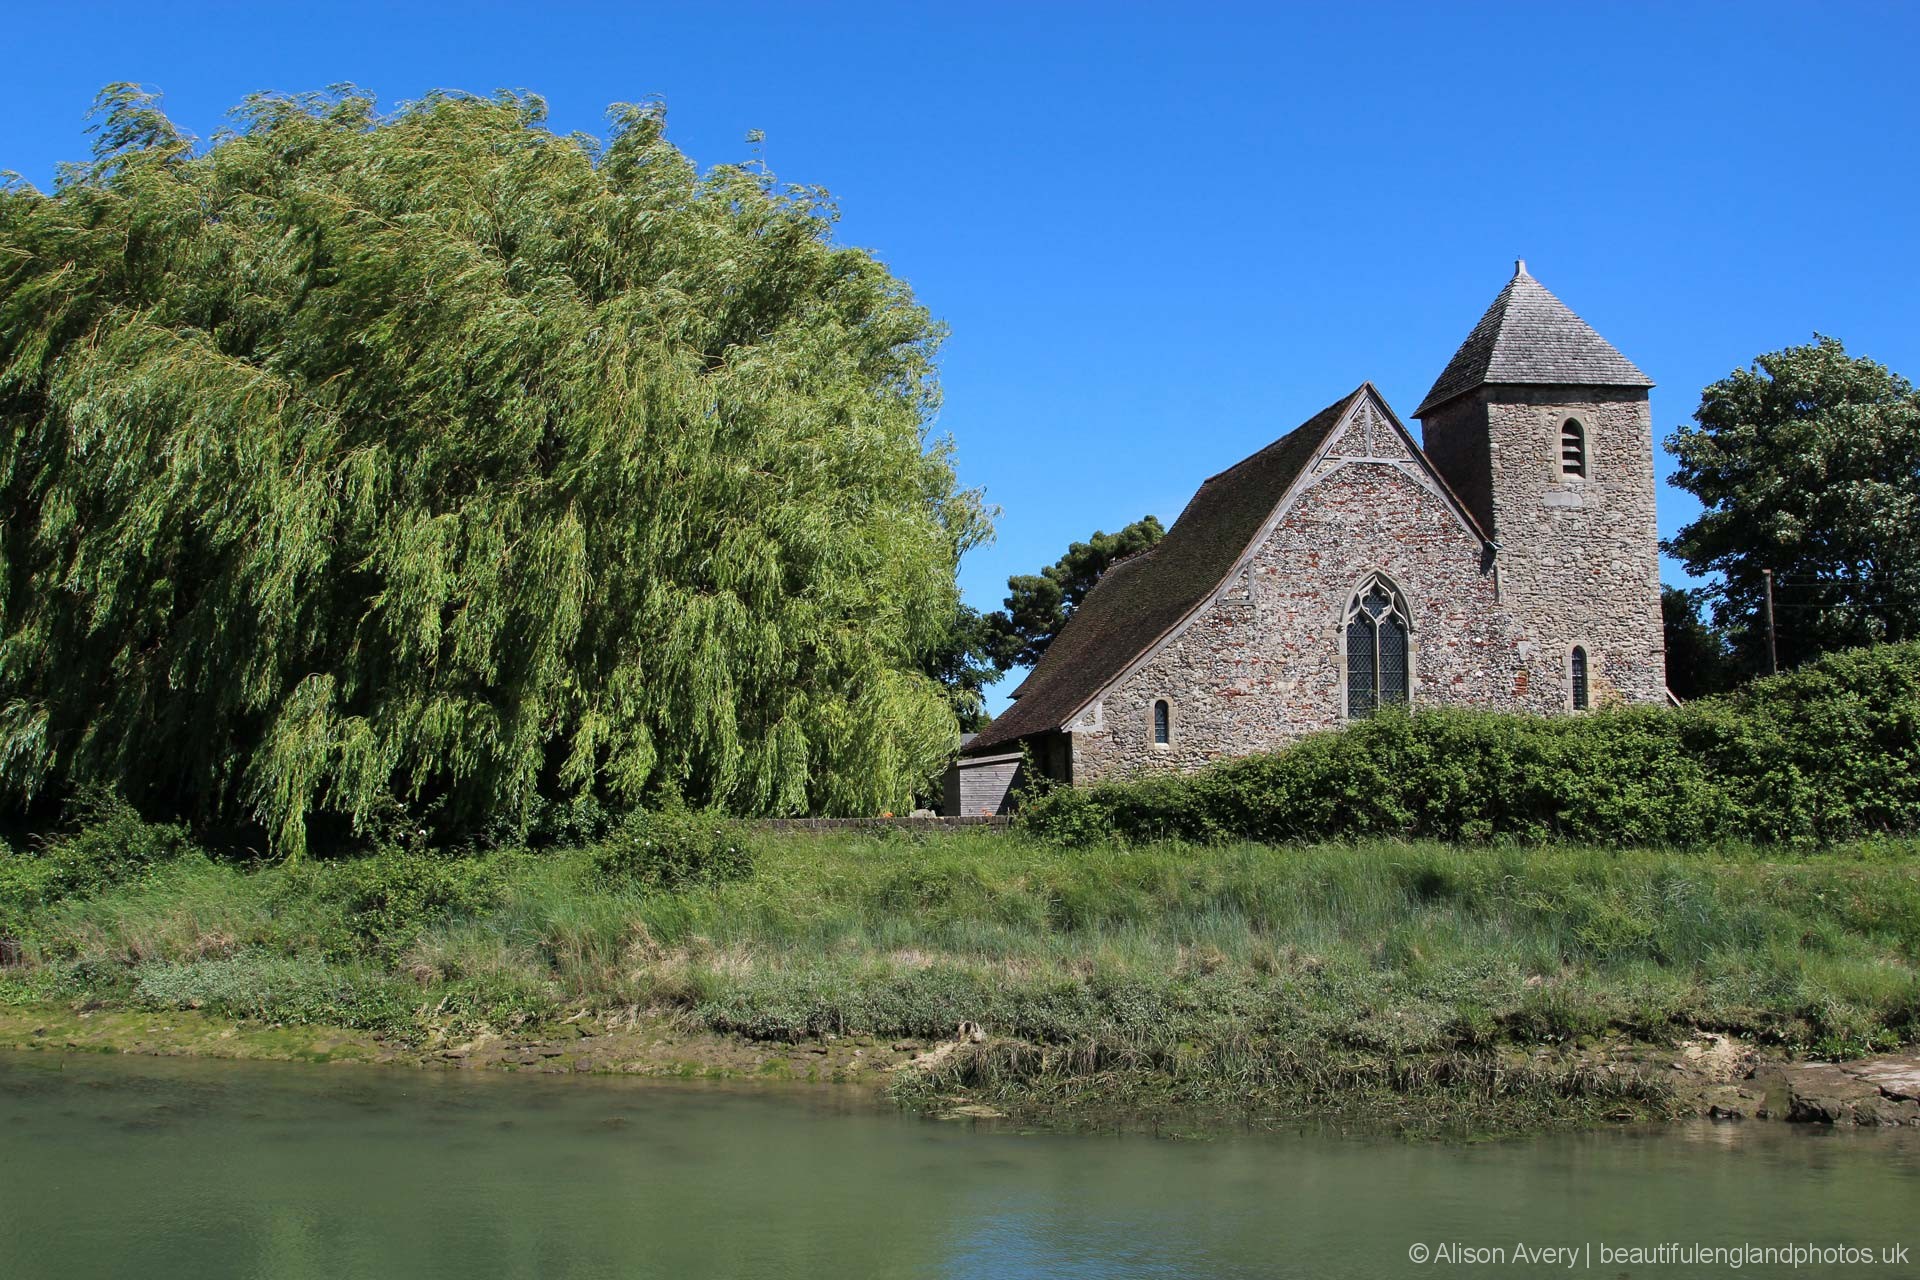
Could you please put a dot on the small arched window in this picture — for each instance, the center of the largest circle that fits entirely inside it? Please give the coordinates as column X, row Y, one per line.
column 1377, row 667
column 1162, row 723
column 1578, row 665
column 1573, row 448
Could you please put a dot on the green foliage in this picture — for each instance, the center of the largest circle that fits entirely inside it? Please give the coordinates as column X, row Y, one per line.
column 392, row 898
column 25, row 883
column 108, row 844
column 270, row 988
column 1699, row 660
column 672, row 849
column 443, row 461
column 1807, row 464
column 1824, row 754
column 1038, row 605
column 964, row 663
column 1829, row 752
column 1067, row 816
column 582, row 820
column 1226, row 969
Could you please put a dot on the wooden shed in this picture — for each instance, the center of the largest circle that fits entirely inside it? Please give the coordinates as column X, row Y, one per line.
column 982, row 785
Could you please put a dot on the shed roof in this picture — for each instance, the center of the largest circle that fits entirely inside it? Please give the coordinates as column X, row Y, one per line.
column 1530, row 336
column 1140, row 599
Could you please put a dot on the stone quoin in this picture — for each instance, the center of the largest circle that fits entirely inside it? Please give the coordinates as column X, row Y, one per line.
column 1511, row 563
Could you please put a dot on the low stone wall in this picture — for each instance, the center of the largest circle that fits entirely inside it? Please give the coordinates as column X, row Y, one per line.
column 857, row 824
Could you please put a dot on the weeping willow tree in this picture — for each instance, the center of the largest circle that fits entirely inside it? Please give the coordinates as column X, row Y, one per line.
column 439, row 459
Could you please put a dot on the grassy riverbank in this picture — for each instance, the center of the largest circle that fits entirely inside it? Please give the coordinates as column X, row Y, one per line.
column 1423, row 984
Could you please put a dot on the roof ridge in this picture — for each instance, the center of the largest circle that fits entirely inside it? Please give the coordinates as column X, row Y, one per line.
column 1341, row 403
column 1128, row 558
column 1126, row 614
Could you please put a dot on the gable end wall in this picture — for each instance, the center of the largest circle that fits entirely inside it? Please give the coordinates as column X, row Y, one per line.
column 1255, row 673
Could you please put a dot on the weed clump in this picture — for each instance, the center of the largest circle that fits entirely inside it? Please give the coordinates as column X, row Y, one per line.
column 300, row 990
column 673, row 849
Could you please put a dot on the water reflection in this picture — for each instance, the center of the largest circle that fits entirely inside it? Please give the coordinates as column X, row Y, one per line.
column 179, row 1168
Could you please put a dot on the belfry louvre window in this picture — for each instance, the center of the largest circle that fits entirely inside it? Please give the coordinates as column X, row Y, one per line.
column 1162, row 723
column 1376, row 650
column 1573, row 448
column 1579, row 665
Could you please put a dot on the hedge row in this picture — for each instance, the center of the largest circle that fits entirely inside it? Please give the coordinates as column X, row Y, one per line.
column 1823, row 754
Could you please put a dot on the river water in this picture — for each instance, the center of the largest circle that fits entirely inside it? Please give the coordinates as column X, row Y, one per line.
column 155, row 1168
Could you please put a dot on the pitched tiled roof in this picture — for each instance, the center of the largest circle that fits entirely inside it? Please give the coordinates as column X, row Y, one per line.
column 1530, row 336
column 1141, row 598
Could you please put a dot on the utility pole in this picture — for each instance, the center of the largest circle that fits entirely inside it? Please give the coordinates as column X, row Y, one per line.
column 1773, row 652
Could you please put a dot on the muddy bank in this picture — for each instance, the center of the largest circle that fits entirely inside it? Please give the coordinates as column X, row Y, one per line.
column 1723, row 1078
column 1709, row 1076
column 627, row 1044
column 1871, row 1092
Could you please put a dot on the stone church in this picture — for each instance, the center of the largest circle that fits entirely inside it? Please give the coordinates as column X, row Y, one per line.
column 1509, row 560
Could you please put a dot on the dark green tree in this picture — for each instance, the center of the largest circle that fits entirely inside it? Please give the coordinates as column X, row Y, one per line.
column 438, row 459
column 1808, row 464
column 1039, row 604
column 964, row 665
column 1699, row 661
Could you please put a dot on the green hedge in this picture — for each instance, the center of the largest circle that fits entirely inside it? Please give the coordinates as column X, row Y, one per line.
column 1822, row 754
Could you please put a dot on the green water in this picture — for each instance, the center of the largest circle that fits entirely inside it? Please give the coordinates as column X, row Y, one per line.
column 159, row 1169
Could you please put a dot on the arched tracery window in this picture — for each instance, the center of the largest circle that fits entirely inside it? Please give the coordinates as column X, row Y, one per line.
column 1377, row 631
column 1578, row 664
column 1162, row 723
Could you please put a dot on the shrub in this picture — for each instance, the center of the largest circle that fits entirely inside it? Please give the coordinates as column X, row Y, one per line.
column 389, row 899
column 672, row 848
column 1828, row 753
column 109, row 844
column 394, row 897
column 1825, row 753
column 1067, row 816
column 25, row 883
column 582, row 820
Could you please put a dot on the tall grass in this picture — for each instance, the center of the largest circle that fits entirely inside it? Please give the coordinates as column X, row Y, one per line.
column 885, row 934
column 1199, row 965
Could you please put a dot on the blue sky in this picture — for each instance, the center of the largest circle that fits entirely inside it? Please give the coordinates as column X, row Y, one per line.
column 1164, row 235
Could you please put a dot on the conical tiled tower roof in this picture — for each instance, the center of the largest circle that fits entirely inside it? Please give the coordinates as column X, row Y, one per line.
column 1530, row 336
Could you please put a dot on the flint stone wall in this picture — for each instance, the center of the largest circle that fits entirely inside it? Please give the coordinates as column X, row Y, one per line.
column 1263, row 662
column 1579, row 555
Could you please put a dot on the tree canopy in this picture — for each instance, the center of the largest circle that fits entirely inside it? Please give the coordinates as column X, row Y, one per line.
column 1039, row 604
column 966, row 663
column 1808, row 464
column 436, row 458
column 1698, row 663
